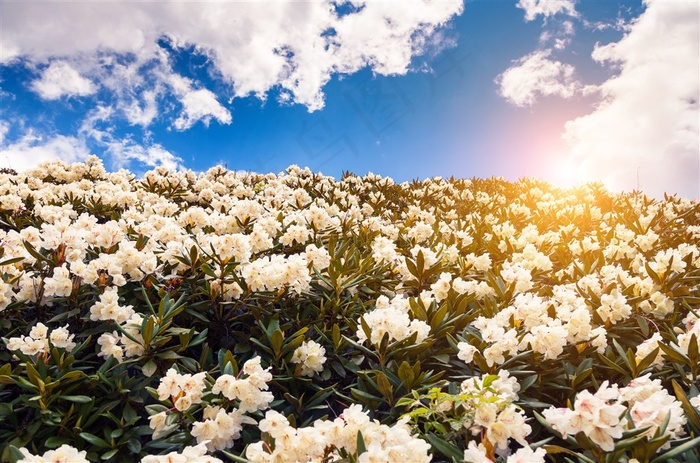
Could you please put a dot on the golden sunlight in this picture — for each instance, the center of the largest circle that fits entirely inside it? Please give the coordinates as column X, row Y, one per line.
column 567, row 173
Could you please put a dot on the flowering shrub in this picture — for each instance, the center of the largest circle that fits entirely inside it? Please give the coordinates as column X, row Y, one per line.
column 223, row 316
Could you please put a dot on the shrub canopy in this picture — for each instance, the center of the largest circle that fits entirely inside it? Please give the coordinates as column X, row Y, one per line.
column 227, row 316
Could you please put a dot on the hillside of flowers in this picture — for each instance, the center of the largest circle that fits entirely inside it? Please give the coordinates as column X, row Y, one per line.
column 237, row 317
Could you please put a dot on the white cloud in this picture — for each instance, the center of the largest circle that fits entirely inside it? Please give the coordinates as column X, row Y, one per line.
column 123, row 151
column 143, row 110
column 647, row 121
column 201, row 105
column 559, row 35
column 253, row 46
column 547, row 8
column 536, row 75
column 33, row 149
column 4, row 129
column 60, row 79
column 197, row 104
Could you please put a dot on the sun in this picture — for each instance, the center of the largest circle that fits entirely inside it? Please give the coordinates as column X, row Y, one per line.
column 567, row 173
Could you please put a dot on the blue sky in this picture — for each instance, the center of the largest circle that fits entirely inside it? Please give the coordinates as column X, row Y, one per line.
column 561, row 90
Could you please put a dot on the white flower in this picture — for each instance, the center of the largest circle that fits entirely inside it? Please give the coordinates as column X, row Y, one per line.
column 157, row 421
column 63, row 454
column 317, row 257
column 39, row 331
column 695, row 402
column 614, row 307
column 108, row 308
column 647, row 347
column 60, row 284
column 548, row 340
column 650, row 405
column 476, row 453
column 61, row 337
column 466, row 352
column 394, row 320
column 599, row 416
column 257, row 375
column 441, row 287
column 219, row 432
column 527, row 455
column 192, row 454
column 6, row 295
column 109, row 346
column 39, row 340
column 311, row 356
column 274, row 424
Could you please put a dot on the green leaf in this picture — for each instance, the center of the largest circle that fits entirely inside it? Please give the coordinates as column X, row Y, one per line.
column 385, row 387
column 406, row 375
column 54, row 442
column 528, row 381
column 35, row 254
column 134, row 445
column 14, row 260
column 676, row 451
column 446, row 448
column 554, row 449
column 365, row 328
column 693, row 349
column 108, row 455
column 276, row 341
column 79, row 399
column 364, row 397
column 361, row 448
column 613, row 365
column 335, row 335
column 149, row 368
column 147, row 329
column 647, row 361
column 94, row 440
column 438, row 316
column 690, row 412
column 15, row 455
column 673, row 355
column 234, row 458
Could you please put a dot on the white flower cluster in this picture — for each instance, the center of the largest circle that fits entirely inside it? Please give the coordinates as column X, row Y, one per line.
column 573, row 267
column 391, row 316
column 325, row 438
column 63, row 454
column 98, row 253
column 310, row 356
column 68, row 454
column 602, row 416
column 272, row 273
column 476, row 453
column 527, row 324
column 192, row 454
column 40, row 340
column 183, row 390
column 119, row 345
column 692, row 327
column 599, row 416
column 491, row 412
column 107, row 308
column 219, row 428
column 244, row 218
column 6, row 295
